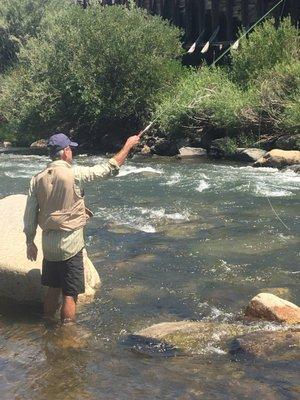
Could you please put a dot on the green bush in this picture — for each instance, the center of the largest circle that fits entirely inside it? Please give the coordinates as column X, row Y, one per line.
column 259, row 93
column 264, row 47
column 90, row 70
column 19, row 20
column 205, row 99
column 278, row 94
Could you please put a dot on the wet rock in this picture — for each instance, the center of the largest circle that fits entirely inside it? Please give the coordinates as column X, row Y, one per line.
column 248, row 154
column 266, row 142
column 288, row 142
column 278, row 158
column 20, row 279
column 146, row 151
column 294, row 168
column 188, row 337
column 39, row 144
column 272, row 308
column 164, row 147
column 269, row 345
column 5, row 144
column 185, row 152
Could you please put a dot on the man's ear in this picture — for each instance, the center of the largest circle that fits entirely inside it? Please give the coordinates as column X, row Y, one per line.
column 64, row 155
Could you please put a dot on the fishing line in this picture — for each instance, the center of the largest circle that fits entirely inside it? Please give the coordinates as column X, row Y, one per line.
column 277, row 216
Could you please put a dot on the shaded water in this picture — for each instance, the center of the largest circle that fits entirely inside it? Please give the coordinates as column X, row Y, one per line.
column 171, row 241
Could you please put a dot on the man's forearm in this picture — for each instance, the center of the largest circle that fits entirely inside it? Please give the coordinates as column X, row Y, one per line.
column 131, row 142
column 122, row 155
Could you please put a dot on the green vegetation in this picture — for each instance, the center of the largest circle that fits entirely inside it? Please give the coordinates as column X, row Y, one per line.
column 97, row 72
column 257, row 94
column 104, row 72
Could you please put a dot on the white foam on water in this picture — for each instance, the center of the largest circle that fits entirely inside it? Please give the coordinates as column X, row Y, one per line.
column 138, row 170
column 175, row 178
column 162, row 214
column 202, row 186
column 265, row 191
column 18, row 174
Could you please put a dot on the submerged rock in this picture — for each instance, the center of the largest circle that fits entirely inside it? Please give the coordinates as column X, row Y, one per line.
column 278, row 158
column 187, row 337
column 272, row 308
column 294, row 168
column 270, row 345
column 20, row 279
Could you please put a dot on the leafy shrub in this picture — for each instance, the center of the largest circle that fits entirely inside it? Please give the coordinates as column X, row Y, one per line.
column 19, row 20
column 205, row 98
column 259, row 92
column 264, row 47
column 91, row 69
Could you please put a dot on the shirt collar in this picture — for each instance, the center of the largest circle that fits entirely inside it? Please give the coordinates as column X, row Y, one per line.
column 58, row 163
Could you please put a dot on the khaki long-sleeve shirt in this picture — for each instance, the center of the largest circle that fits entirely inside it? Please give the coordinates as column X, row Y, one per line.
column 61, row 245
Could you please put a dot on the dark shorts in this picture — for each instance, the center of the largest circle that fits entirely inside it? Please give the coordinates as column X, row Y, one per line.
column 67, row 275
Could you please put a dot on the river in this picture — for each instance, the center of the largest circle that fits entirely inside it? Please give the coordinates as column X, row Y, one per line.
column 171, row 240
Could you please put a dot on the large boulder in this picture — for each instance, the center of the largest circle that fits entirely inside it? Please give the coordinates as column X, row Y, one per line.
column 20, row 279
column 269, row 307
column 187, row 337
column 5, row 144
column 187, row 152
column 268, row 345
column 278, row 158
column 248, row 154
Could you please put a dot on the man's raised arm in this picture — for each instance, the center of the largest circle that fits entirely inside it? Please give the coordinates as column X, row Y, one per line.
column 106, row 169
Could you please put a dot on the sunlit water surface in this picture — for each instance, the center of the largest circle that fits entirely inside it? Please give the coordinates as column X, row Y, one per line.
column 171, row 240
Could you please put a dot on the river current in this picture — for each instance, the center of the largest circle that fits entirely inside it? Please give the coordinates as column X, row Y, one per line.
column 171, row 240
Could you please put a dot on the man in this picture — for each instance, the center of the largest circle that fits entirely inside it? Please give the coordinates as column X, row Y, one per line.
column 55, row 203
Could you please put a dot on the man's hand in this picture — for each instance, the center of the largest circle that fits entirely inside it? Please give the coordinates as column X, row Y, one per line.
column 131, row 142
column 32, row 251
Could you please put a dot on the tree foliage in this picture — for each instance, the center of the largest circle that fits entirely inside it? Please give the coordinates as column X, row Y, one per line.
column 90, row 70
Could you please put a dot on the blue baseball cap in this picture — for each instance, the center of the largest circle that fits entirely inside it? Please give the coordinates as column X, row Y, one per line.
column 60, row 141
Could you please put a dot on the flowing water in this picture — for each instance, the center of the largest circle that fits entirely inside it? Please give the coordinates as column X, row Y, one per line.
column 171, row 241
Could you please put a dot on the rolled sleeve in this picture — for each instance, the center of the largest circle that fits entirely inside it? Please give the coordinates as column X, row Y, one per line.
column 31, row 214
column 97, row 172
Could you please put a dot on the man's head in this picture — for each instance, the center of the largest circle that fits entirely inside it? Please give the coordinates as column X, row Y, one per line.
column 60, row 147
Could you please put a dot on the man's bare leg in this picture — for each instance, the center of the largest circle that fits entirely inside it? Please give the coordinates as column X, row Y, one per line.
column 68, row 309
column 51, row 302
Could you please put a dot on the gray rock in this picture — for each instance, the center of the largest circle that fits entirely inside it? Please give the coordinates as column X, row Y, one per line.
column 248, row 154
column 185, row 152
column 266, row 143
column 288, row 142
column 293, row 167
column 5, row 144
column 39, row 144
column 269, row 345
